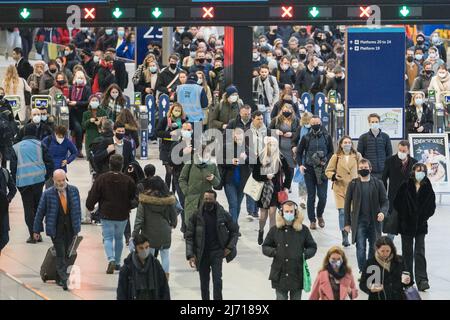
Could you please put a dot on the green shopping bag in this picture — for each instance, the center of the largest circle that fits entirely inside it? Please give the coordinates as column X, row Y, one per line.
column 306, row 276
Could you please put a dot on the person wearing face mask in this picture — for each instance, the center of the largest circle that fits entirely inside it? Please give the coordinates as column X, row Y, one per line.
column 288, row 242
column 61, row 207
column 227, row 110
column 200, row 64
column 439, row 45
column 419, row 116
column 88, row 63
column 421, row 42
column 85, row 39
column 390, row 266
column 202, row 82
column 211, row 236
column 113, row 101
column 79, row 94
column 142, row 276
column 366, row 204
column 217, row 76
column 314, row 151
column 326, row 51
column 169, row 130
column 433, row 57
column 341, row 170
column 186, row 45
column 412, row 67
column 71, row 56
column 60, row 87
column 61, row 149
column 440, row 82
column 43, row 129
column 35, row 78
column 397, row 170
column 107, row 40
column 127, row 47
column 335, row 280
column 48, row 78
column 257, row 59
column 148, row 80
column 310, row 79
column 284, row 73
column 31, row 166
column 92, row 121
column 415, row 203
column 168, row 77
column 422, row 81
column 118, row 69
column 114, row 192
column 375, row 145
column 196, row 178
column 336, row 83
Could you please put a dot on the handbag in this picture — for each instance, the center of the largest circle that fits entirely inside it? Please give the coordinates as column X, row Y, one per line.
column 390, row 224
column 253, row 188
column 282, row 195
column 411, row 293
column 306, row 276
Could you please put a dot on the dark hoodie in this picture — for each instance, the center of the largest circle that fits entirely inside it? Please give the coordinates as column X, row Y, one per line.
column 155, row 218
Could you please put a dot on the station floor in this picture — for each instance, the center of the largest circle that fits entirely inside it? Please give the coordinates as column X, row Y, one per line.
column 246, row 278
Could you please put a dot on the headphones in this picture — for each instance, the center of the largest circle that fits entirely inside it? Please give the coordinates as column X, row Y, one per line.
column 289, row 202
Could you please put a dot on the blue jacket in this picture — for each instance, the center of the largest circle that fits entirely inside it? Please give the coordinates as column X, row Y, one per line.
column 129, row 54
column 375, row 149
column 59, row 152
column 49, row 207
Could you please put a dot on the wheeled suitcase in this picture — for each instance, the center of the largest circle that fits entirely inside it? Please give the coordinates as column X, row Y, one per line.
column 48, row 267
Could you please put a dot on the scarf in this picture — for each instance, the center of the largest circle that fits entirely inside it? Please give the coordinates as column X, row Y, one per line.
column 440, row 82
column 386, row 264
column 142, row 274
column 77, row 93
column 339, row 274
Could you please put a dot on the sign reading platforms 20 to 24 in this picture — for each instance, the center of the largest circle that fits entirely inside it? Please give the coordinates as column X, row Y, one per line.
column 376, row 79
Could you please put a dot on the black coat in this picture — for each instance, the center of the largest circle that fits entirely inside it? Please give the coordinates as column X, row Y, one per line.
column 414, row 208
column 287, row 245
column 426, row 121
column 81, row 105
column 393, row 173
column 121, row 74
column 126, row 289
column 375, row 149
column 163, row 132
column 391, row 280
column 101, row 155
column 24, row 68
column 227, row 232
column 164, row 79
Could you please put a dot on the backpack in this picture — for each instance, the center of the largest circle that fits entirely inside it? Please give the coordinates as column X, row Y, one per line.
column 6, row 132
column 90, row 156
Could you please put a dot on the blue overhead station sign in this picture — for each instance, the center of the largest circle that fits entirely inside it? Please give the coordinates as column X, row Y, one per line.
column 375, row 79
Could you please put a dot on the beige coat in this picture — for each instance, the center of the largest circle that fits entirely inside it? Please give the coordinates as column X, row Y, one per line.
column 345, row 173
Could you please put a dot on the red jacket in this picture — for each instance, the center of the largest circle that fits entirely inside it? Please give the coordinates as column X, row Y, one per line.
column 322, row 288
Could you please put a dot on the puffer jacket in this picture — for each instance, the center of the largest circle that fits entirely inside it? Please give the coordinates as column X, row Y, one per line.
column 287, row 245
column 227, row 232
column 155, row 218
column 375, row 149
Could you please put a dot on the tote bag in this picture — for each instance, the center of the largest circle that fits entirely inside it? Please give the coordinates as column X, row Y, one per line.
column 253, row 188
column 306, row 276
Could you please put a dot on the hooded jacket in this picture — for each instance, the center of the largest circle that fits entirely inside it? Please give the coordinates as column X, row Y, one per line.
column 155, row 218
column 288, row 245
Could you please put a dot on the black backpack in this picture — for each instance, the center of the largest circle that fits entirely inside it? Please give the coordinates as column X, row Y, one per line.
column 6, row 129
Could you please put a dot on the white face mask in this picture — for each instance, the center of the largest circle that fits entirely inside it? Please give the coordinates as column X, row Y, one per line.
column 432, row 55
column 44, row 118
column 37, row 119
column 295, row 65
column 96, row 59
column 233, row 98
column 402, row 155
column 284, row 67
column 255, row 55
column 321, row 68
column 442, row 74
column 419, row 102
column 114, row 95
column 94, row 104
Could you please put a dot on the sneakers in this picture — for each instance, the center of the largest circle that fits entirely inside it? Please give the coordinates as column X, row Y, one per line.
column 63, row 284
column 321, row 222
column 423, row 285
column 260, row 237
column 313, row 226
column 111, row 267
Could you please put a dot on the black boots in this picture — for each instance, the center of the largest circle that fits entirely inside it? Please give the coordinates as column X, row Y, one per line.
column 260, row 237
column 345, row 242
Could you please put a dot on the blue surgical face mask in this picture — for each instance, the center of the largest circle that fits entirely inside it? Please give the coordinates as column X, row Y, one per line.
column 307, row 126
column 289, row 216
column 420, row 176
column 336, row 264
column 186, row 133
column 375, row 126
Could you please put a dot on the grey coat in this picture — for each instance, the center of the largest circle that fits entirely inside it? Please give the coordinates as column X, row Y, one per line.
column 378, row 203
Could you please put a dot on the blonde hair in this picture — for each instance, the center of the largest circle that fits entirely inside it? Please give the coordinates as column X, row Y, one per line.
column 270, row 158
column 281, row 118
column 339, row 251
column 79, row 73
column 11, row 80
column 204, row 82
column 147, row 73
column 414, row 96
column 176, row 105
column 306, row 117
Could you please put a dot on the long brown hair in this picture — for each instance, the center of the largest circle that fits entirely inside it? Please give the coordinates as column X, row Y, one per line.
column 126, row 117
column 340, row 150
column 339, row 251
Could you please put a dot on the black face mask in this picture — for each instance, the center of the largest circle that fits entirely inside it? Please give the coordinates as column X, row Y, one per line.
column 52, row 70
column 364, row 172
column 409, row 59
column 209, row 60
column 302, row 56
column 201, row 61
column 315, row 127
column 287, row 114
column 420, row 42
column 120, row 136
column 428, row 71
column 209, row 206
column 61, row 82
column 2, row 96
column 173, row 66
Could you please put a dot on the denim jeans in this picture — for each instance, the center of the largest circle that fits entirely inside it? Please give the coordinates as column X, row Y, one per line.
column 365, row 233
column 341, row 219
column 235, row 195
column 266, row 116
column 294, row 294
column 251, row 205
column 113, row 232
column 165, row 258
column 321, row 189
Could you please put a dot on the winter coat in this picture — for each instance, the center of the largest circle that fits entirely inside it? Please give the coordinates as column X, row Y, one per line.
column 114, row 192
column 227, row 233
column 155, row 218
column 47, row 81
column 414, row 208
column 59, row 152
column 375, row 149
column 193, row 184
column 224, row 113
column 165, row 77
column 422, row 82
column 101, row 155
column 237, row 123
column 126, row 289
column 426, row 120
column 132, row 132
column 393, row 172
column 391, row 280
column 284, row 77
column 288, row 246
column 310, row 81
column 352, row 205
column 322, row 289
column 92, row 130
column 342, row 173
column 440, row 85
column 49, row 207
column 81, row 105
column 270, row 87
column 20, row 91
column 163, row 131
